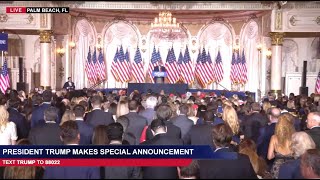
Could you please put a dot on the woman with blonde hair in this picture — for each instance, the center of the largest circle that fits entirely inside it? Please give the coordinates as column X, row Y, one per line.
column 301, row 142
column 67, row 116
column 8, row 130
column 280, row 142
column 122, row 108
column 265, row 106
column 230, row 116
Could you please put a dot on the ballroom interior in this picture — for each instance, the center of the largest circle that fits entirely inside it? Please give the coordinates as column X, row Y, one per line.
column 275, row 36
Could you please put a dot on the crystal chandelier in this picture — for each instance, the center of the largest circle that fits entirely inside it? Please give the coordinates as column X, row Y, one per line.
column 166, row 27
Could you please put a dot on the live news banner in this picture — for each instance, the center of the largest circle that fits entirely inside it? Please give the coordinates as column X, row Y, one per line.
column 74, row 155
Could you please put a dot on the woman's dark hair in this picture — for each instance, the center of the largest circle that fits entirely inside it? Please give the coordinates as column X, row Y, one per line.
column 222, row 135
column 100, row 135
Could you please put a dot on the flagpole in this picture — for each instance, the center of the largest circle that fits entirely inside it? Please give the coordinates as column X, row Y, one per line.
column 2, row 58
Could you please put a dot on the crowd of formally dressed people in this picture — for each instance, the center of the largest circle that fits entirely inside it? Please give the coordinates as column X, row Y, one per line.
column 275, row 138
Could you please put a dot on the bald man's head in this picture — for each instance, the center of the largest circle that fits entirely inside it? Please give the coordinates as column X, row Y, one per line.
column 274, row 114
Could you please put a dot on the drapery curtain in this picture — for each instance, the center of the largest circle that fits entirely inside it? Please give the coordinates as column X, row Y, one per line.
column 249, row 40
column 218, row 36
column 85, row 35
column 117, row 34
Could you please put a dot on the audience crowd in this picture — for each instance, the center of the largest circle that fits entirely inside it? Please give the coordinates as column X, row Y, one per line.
column 275, row 138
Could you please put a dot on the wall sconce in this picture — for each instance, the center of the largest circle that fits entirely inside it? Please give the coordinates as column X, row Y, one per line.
column 72, row 45
column 259, row 47
column 61, row 51
column 99, row 46
column 236, row 47
column 269, row 53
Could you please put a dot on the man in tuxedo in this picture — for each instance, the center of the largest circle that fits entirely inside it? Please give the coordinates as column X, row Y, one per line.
column 254, row 122
column 159, row 130
column 136, row 121
column 97, row 116
column 313, row 124
column 15, row 116
column 233, row 165
column 266, row 132
column 69, row 85
column 164, row 113
column 70, row 135
column 47, row 133
column 159, row 68
column 38, row 112
column 182, row 121
column 86, row 131
column 200, row 134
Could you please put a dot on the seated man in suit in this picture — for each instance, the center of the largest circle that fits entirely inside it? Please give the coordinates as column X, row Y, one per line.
column 86, row 131
column 47, row 133
column 159, row 130
column 115, row 132
column 159, row 68
column 69, row 85
column 70, row 136
column 226, row 168
column 164, row 113
column 97, row 116
column 313, row 124
column 37, row 113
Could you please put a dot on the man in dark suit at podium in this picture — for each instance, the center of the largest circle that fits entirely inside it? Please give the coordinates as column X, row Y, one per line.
column 156, row 69
column 69, row 85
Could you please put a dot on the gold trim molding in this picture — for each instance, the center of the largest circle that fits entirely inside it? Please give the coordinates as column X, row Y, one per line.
column 45, row 36
column 278, row 21
column 276, row 38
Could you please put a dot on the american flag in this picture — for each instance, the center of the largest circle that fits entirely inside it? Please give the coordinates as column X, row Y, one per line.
column 205, row 68
column 172, row 67
column 233, row 69
column 127, row 58
column 187, row 73
column 89, row 68
column 137, row 67
column 114, row 66
column 101, row 66
column 179, row 63
column 197, row 69
column 123, row 66
column 153, row 62
column 4, row 78
column 94, row 64
column 238, row 68
column 317, row 89
column 244, row 77
column 218, row 68
column 211, row 66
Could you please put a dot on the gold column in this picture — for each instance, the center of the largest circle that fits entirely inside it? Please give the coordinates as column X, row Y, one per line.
column 276, row 63
column 45, row 58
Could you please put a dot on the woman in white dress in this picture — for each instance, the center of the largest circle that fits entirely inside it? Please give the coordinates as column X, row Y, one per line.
column 8, row 130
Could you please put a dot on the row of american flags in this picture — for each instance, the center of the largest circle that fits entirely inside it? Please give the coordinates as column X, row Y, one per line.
column 181, row 69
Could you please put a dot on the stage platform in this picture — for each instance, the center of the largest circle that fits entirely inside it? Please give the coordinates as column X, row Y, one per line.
column 172, row 88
